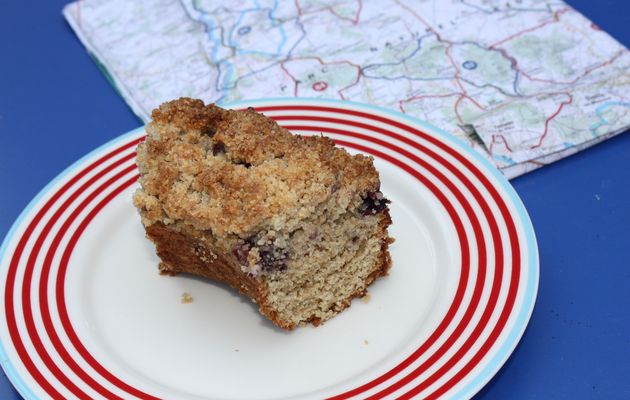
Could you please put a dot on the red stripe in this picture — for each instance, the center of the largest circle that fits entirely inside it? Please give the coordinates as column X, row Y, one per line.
column 478, row 289
column 60, row 293
column 12, row 273
column 494, row 194
column 43, row 283
column 26, row 303
column 60, row 296
column 509, row 304
column 513, row 289
column 426, row 181
column 60, row 279
column 482, row 247
column 465, row 265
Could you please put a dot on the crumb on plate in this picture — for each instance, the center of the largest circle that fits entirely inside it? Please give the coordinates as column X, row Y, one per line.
column 186, row 298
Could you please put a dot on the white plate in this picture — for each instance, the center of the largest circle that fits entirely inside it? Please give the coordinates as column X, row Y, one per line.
column 87, row 314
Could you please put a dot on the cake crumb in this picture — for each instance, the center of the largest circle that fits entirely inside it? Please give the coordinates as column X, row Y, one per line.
column 366, row 298
column 186, row 298
column 365, row 342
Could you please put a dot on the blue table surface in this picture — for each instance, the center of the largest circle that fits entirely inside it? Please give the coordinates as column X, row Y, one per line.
column 55, row 106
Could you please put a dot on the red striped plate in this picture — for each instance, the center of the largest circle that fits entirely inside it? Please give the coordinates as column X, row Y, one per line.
column 87, row 315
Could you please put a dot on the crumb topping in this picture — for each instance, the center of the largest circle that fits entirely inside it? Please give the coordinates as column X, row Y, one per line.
column 238, row 172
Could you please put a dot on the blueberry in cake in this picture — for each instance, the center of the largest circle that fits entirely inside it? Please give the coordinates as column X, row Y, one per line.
column 293, row 222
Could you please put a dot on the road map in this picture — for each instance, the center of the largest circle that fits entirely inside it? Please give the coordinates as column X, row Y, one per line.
column 525, row 82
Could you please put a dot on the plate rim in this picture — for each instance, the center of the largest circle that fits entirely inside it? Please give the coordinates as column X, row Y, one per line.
column 504, row 350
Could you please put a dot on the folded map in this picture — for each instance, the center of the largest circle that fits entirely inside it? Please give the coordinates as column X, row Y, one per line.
column 525, row 82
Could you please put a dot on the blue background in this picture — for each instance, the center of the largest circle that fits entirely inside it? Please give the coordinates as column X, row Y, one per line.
column 55, row 106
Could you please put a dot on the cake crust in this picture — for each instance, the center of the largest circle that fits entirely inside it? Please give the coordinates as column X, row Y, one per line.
column 268, row 176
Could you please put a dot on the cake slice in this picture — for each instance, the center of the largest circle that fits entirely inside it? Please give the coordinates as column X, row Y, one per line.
column 293, row 222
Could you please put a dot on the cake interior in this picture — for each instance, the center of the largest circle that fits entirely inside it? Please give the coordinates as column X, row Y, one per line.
column 316, row 273
column 331, row 262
